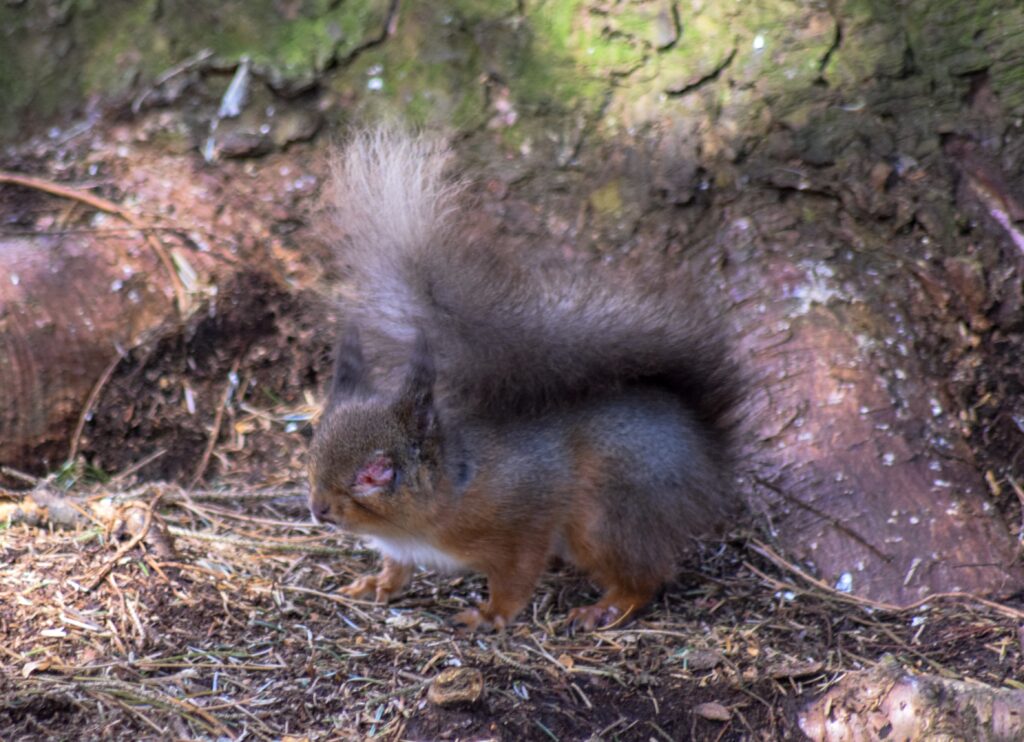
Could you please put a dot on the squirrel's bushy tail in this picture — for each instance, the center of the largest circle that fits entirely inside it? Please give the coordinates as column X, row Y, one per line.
column 506, row 338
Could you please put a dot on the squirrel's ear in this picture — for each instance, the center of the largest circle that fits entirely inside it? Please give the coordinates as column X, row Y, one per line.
column 349, row 367
column 416, row 400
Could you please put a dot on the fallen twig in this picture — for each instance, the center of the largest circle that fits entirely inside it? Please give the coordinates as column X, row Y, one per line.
column 125, row 547
column 253, row 545
column 768, row 553
column 90, row 401
column 218, row 419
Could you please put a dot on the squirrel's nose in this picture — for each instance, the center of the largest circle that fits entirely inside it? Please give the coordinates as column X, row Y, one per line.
column 321, row 512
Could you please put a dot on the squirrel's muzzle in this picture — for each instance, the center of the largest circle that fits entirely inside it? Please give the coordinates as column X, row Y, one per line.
column 320, row 508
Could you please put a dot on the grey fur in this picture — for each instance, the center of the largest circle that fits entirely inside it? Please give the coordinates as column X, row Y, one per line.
column 506, row 338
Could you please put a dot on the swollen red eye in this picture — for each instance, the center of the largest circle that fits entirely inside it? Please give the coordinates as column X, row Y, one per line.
column 377, row 472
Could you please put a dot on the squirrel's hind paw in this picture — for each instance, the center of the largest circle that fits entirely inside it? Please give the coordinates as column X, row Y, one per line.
column 597, row 616
column 611, row 612
column 479, row 619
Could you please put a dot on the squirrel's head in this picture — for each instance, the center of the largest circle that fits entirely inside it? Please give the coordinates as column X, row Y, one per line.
column 372, row 455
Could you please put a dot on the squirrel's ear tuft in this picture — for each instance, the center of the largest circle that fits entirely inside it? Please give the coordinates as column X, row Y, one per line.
column 416, row 400
column 349, row 367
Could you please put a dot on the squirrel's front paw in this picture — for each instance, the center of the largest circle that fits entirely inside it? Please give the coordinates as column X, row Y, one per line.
column 364, row 587
column 483, row 619
column 383, row 586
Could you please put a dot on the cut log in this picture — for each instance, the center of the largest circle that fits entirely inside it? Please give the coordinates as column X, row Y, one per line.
column 886, row 703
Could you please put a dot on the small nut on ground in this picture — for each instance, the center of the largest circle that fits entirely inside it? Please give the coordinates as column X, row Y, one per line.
column 456, row 685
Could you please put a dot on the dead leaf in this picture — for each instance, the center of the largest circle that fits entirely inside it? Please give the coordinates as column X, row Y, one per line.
column 35, row 666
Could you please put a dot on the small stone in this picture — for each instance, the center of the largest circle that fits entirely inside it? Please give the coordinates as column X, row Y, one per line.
column 795, row 669
column 295, row 125
column 879, row 176
column 456, row 685
column 712, row 711
column 242, row 144
column 701, row 659
column 665, row 27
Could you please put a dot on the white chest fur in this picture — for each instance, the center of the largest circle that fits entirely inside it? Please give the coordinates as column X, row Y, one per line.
column 411, row 551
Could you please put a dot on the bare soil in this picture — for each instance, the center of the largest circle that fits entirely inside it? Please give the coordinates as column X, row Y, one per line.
column 242, row 635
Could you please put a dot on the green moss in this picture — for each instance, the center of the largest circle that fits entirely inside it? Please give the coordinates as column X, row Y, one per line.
column 943, row 41
column 874, row 44
column 428, row 73
column 607, row 200
column 953, row 40
column 535, row 86
column 34, row 69
column 447, row 63
column 558, row 62
column 110, row 37
column 703, row 47
column 112, row 47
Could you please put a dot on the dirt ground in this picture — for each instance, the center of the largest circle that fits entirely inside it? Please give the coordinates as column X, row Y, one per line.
column 239, row 633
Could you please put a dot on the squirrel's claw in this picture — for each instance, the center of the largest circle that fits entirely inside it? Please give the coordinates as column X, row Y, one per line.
column 597, row 616
column 614, row 610
column 479, row 619
column 383, row 586
column 366, row 586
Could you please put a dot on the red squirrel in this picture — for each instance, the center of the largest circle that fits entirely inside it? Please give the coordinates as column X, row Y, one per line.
column 490, row 417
